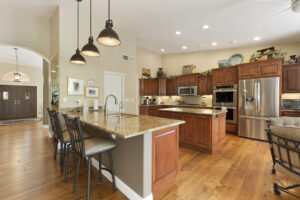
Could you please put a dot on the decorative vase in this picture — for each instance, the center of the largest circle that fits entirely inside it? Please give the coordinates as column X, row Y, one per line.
column 160, row 73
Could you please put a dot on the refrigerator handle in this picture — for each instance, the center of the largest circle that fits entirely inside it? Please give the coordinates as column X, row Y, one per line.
column 258, row 96
column 255, row 95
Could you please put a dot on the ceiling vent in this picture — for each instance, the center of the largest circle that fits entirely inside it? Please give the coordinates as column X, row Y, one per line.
column 127, row 58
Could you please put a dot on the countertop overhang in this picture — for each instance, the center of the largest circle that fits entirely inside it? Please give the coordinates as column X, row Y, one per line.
column 125, row 125
column 198, row 111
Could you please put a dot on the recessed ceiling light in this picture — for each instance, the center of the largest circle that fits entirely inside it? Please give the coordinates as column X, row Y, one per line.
column 233, row 42
column 200, row 45
column 205, row 26
column 256, row 38
column 184, row 47
column 214, row 43
column 178, row 33
column 162, row 50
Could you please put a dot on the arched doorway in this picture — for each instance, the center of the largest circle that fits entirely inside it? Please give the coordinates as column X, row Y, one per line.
column 34, row 71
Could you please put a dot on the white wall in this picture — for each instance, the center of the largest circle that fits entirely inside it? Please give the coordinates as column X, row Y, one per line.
column 110, row 59
column 148, row 59
column 205, row 60
column 34, row 74
column 23, row 28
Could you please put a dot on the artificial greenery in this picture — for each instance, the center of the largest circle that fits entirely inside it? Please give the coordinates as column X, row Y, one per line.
column 206, row 73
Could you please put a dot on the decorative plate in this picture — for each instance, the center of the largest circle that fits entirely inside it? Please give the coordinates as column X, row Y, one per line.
column 236, row 59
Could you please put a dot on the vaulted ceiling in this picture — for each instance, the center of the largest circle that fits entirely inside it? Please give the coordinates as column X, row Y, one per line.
column 155, row 22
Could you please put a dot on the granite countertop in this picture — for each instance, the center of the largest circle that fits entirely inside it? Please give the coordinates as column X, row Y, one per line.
column 125, row 125
column 290, row 110
column 197, row 111
column 184, row 105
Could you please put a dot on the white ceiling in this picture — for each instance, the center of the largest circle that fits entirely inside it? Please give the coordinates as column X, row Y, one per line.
column 25, row 57
column 155, row 22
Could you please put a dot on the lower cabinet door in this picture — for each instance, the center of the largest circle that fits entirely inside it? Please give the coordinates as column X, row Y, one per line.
column 165, row 150
column 202, row 136
column 188, row 128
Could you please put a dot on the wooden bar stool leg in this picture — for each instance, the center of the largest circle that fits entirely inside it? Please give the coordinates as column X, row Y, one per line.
column 89, row 178
column 112, row 170
column 61, row 153
column 63, row 157
column 76, row 176
column 100, row 165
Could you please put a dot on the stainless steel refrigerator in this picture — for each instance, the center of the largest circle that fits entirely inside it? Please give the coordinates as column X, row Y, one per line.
column 258, row 100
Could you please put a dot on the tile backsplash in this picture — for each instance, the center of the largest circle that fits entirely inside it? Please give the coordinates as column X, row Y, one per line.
column 291, row 96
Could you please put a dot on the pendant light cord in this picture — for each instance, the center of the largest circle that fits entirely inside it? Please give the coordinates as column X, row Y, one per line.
column 17, row 60
column 91, row 18
column 77, row 24
column 108, row 9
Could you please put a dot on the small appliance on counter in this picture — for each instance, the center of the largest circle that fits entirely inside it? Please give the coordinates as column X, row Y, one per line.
column 290, row 104
column 145, row 101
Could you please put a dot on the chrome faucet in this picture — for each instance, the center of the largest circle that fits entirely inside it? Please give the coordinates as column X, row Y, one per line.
column 105, row 105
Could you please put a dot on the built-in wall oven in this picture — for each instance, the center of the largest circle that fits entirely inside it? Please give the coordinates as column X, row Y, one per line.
column 188, row 91
column 225, row 95
column 231, row 114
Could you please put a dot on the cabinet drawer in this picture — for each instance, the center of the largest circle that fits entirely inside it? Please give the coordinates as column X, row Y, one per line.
column 291, row 114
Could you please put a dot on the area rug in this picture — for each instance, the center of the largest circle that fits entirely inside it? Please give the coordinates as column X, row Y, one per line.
column 19, row 121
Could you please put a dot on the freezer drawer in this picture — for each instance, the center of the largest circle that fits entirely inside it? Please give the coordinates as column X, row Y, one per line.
column 252, row 127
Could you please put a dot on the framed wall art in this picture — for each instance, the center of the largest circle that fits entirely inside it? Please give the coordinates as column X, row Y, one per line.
column 75, row 86
column 91, row 92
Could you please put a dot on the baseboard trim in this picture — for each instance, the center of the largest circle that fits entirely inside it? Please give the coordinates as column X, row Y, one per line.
column 46, row 126
column 50, row 134
column 125, row 189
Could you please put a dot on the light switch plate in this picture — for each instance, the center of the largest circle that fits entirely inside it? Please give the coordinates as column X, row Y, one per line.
column 132, row 100
column 65, row 100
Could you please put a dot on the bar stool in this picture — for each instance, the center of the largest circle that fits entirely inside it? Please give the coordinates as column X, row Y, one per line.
column 64, row 138
column 55, row 137
column 87, row 149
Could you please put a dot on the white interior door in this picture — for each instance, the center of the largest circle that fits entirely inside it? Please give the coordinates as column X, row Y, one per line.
column 114, row 84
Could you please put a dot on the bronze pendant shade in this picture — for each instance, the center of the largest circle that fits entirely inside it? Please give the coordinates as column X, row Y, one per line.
column 77, row 58
column 108, row 37
column 90, row 49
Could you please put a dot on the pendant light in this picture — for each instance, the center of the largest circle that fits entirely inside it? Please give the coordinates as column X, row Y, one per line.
column 108, row 37
column 17, row 75
column 77, row 58
column 90, row 49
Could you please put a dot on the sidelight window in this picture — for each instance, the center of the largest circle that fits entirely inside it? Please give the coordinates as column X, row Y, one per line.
column 5, row 95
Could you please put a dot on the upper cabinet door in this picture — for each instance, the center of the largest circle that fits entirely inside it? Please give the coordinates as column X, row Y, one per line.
column 291, row 78
column 231, row 75
column 188, row 80
column 247, row 71
column 209, row 85
column 218, row 76
column 260, row 69
column 202, row 85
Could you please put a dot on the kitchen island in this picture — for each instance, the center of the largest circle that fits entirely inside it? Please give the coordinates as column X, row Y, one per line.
column 146, row 156
column 204, row 129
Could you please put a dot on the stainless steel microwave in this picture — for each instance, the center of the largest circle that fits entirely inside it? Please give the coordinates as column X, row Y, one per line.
column 188, row 91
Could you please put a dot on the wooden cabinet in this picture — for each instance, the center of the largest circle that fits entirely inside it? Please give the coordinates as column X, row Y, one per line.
column 188, row 128
column 165, row 151
column 291, row 78
column 225, row 76
column 260, row 69
column 203, row 127
column 172, row 87
column 150, row 110
column 153, row 87
column 205, row 85
column 291, row 114
column 205, row 132
column 188, row 80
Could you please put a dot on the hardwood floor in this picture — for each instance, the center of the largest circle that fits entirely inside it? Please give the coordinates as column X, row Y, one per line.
column 240, row 170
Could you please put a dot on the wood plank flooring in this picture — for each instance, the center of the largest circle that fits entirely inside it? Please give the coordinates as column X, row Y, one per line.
column 240, row 170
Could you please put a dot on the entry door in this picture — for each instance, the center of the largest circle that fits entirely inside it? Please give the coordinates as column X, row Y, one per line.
column 18, row 101
column 114, row 84
column 8, row 102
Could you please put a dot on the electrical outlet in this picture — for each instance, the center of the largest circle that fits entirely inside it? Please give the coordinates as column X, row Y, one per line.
column 77, row 102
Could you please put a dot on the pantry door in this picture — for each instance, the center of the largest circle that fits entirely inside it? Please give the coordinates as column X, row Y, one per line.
column 114, row 84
